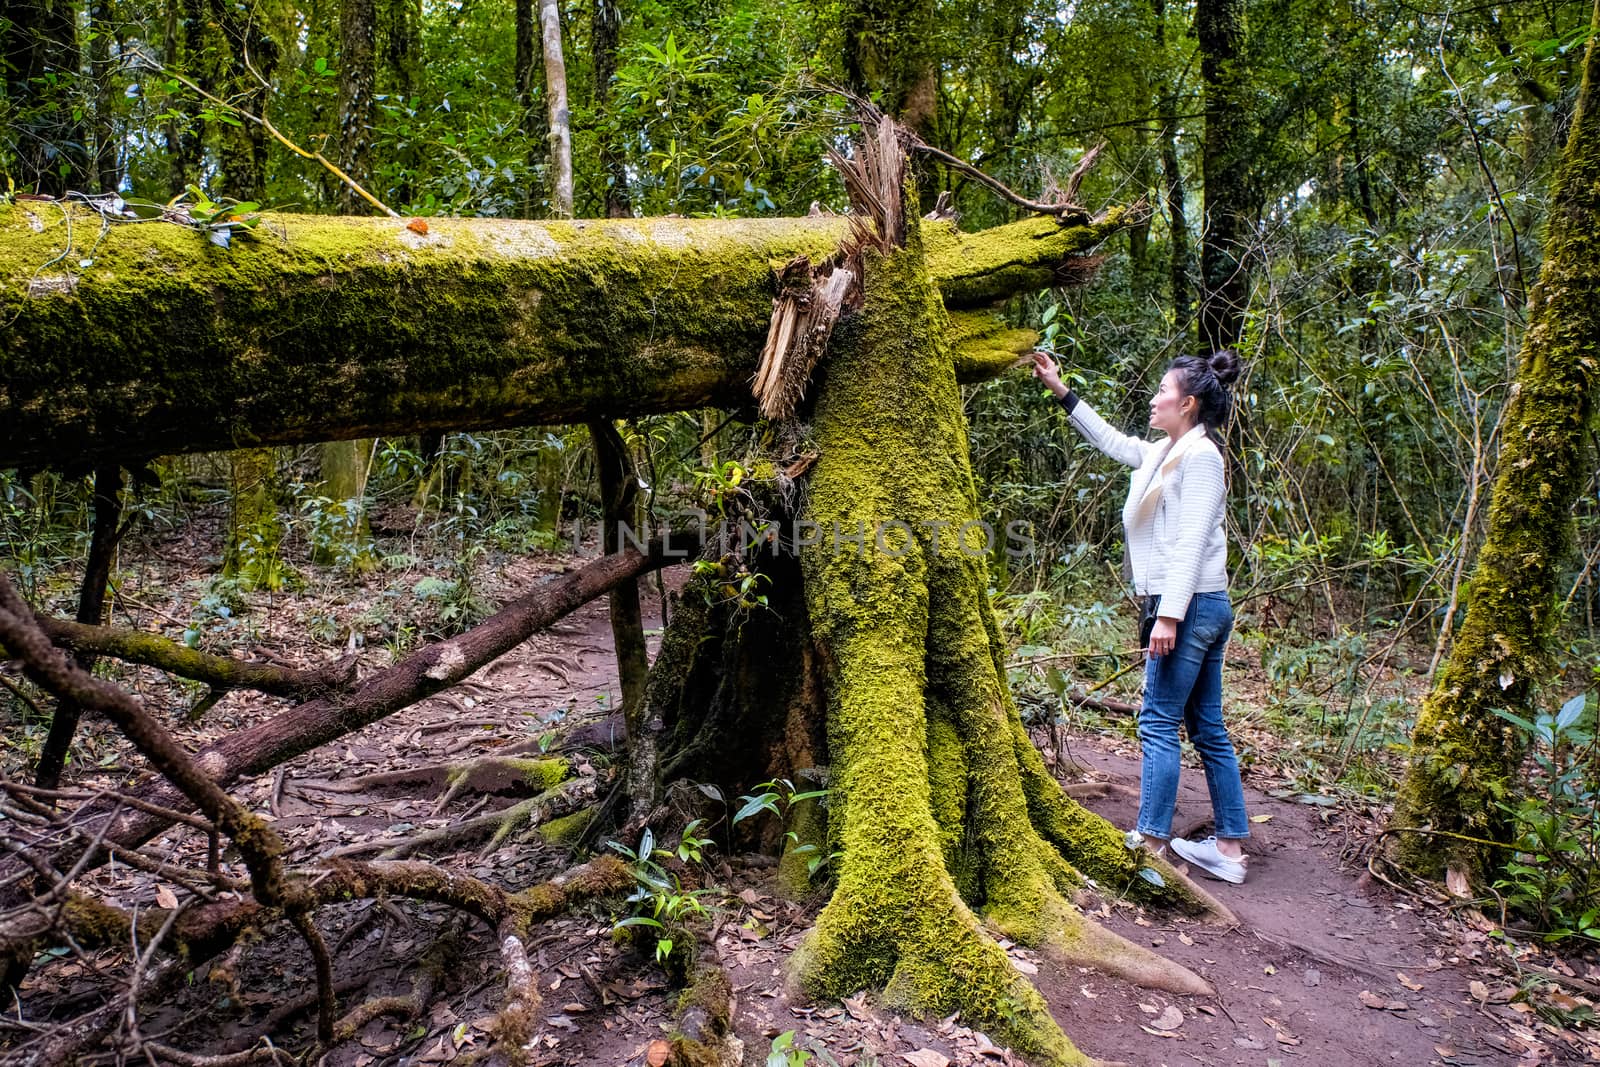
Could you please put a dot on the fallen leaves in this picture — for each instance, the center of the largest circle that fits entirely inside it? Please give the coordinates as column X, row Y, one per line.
column 926, row 1057
column 1170, row 1019
column 1377, row 1003
column 1484, row 995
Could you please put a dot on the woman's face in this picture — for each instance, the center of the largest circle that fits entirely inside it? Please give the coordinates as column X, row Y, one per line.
column 1170, row 410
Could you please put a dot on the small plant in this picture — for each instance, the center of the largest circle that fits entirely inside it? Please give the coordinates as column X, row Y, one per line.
column 784, row 1053
column 216, row 617
column 660, row 900
column 776, row 796
column 1554, row 876
column 719, row 486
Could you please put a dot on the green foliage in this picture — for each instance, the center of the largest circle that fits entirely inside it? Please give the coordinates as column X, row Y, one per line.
column 661, row 903
column 787, row 1051
column 1553, row 878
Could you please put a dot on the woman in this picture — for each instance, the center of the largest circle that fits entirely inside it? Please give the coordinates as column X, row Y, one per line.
column 1177, row 555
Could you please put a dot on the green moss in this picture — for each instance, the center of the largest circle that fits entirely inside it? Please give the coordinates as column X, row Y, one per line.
column 893, row 446
column 806, row 841
column 976, row 269
column 317, row 328
column 94, row 923
column 711, row 991
column 948, row 782
column 251, row 555
column 983, row 346
column 188, row 346
column 542, row 774
column 566, row 830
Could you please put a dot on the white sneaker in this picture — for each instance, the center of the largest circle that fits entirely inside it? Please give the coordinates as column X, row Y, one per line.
column 1204, row 854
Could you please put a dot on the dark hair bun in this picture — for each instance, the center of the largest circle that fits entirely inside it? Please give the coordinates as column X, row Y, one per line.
column 1225, row 365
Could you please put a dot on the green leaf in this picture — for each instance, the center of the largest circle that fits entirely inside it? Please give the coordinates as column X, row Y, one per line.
column 755, row 804
column 1570, row 711
column 1153, row 876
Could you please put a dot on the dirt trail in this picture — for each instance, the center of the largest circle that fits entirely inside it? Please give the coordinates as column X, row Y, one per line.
column 1290, row 982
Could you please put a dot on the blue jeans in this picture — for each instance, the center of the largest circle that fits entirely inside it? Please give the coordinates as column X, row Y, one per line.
column 1185, row 686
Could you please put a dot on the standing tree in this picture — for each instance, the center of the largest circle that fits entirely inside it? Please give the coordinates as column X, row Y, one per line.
column 1225, row 167
column 1464, row 756
column 555, row 89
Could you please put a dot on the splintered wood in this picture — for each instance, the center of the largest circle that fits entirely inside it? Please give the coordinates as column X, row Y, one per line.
column 810, row 300
column 803, row 315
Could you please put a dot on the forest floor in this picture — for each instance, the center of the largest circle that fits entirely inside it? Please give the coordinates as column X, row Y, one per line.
column 1328, row 965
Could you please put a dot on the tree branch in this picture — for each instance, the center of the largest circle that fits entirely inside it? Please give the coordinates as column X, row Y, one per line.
column 221, row 672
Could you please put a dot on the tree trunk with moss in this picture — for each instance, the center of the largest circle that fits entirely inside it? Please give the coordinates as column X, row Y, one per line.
column 1465, row 758
column 250, row 553
column 341, row 531
column 873, row 667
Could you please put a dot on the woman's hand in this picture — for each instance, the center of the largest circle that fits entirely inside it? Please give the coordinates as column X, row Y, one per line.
column 1164, row 636
column 1045, row 369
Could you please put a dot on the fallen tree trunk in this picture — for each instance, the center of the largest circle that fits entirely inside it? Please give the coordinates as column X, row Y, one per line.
column 150, row 340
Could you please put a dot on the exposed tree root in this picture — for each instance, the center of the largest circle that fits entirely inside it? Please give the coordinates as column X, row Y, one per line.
column 432, row 669
column 521, row 819
column 514, row 1027
column 199, row 933
column 497, row 775
column 703, row 1033
column 430, row 972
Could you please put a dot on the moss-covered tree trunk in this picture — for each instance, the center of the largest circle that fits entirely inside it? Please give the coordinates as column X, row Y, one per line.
column 250, row 550
column 950, row 828
column 877, row 667
column 1464, row 757
column 342, row 534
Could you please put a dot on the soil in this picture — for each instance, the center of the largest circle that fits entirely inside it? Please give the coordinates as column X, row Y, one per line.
column 1328, row 964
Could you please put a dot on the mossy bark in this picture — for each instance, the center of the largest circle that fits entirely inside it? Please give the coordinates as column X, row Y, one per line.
column 317, row 329
column 250, row 555
column 345, row 537
column 1464, row 757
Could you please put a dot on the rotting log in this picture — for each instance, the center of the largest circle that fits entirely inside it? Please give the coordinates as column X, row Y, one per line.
column 317, row 329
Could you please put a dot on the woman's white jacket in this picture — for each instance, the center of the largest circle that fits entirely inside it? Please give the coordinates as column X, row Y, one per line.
column 1172, row 521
